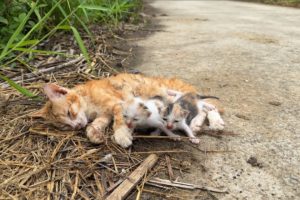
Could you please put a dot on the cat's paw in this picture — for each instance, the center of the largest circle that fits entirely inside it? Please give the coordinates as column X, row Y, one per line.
column 94, row 135
column 195, row 140
column 123, row 137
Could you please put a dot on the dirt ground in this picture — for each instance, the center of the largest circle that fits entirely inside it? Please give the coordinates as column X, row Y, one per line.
column 248, row 55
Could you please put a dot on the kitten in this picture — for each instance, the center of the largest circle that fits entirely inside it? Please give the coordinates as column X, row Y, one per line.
column 140, row 113
column 188, row 113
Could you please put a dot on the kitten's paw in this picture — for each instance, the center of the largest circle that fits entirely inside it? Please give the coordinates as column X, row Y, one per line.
column 94, row 135
column 123, row 137
column 156, row 132
column 195, row 140
column 208, row 107
column 176, row 138
column 217, row 126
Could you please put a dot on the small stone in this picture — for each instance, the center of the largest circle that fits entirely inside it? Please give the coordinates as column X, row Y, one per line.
column 275, row 103
column 119, row 65
column 253, row 162
column 241, row 116
column 185, row 164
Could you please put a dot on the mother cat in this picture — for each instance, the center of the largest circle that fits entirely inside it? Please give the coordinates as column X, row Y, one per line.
column 99, row 102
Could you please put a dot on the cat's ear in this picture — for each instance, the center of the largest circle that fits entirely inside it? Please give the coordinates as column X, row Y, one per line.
column 185, row 113
column 54, row 91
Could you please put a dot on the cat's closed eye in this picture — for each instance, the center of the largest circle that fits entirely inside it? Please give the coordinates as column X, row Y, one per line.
column 164, row 118
column 124, row 115
column 176, row 121
column 69, row 114
column 135, row 119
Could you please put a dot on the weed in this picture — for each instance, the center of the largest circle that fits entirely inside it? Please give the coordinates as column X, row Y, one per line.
column 26, row 23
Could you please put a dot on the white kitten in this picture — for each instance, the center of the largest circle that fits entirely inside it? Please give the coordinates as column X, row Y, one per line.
column 139, row 113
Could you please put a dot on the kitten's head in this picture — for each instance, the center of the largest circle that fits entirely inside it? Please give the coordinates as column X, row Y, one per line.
column 135, row 112
column 173, row 115
column 65, row 108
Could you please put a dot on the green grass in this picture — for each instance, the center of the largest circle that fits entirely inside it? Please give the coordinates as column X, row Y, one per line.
column 26, row 23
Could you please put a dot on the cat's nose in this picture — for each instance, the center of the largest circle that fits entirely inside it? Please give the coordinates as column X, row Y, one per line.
column 169, row 126
column 79, row 126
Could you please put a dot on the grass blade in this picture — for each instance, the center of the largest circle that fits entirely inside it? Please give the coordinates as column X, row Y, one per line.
column 22, row 90
column 81, row 44
column 17, row 32
column 94, row 7
column 41, row 51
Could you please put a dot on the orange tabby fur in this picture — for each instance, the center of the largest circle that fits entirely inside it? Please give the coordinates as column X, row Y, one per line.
column 99, row 101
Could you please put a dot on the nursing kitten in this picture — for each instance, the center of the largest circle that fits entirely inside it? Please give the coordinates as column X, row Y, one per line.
column 140, row 113
column 188, row 113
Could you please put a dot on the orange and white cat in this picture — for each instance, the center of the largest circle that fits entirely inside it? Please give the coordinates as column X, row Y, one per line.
column 99, row 102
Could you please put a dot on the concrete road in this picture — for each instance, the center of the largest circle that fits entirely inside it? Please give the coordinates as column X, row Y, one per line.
column 248, row 55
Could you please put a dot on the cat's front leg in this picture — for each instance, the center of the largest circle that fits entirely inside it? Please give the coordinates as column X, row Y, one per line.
column 122, row 134
column 95, row 131
column 190, row 134
column 169, row 133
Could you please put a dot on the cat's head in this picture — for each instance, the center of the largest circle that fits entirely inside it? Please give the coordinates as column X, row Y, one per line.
column 65, row 108
column 173, row 115
column 135, row 112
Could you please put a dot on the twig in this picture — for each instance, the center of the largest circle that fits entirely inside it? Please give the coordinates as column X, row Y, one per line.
column 123, row 190
column 170, row 170
column 185, row 185
column 41, row 71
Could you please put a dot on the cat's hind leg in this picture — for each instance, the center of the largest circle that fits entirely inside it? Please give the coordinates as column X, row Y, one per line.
column 157, row 132
column 215, row 120
column 198, row 121
column 95, row 131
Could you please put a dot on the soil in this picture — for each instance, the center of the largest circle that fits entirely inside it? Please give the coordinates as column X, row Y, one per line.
column 248, row 55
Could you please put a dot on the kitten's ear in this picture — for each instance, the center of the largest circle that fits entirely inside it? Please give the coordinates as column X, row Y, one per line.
column 174, row 93
column 41, row 113
column 159, row 106
column 185, row 113
column 142, row 105
column 54, row 91
column 145, row 108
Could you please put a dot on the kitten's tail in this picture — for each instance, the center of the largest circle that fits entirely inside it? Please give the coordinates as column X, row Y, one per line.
column 207, row 97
